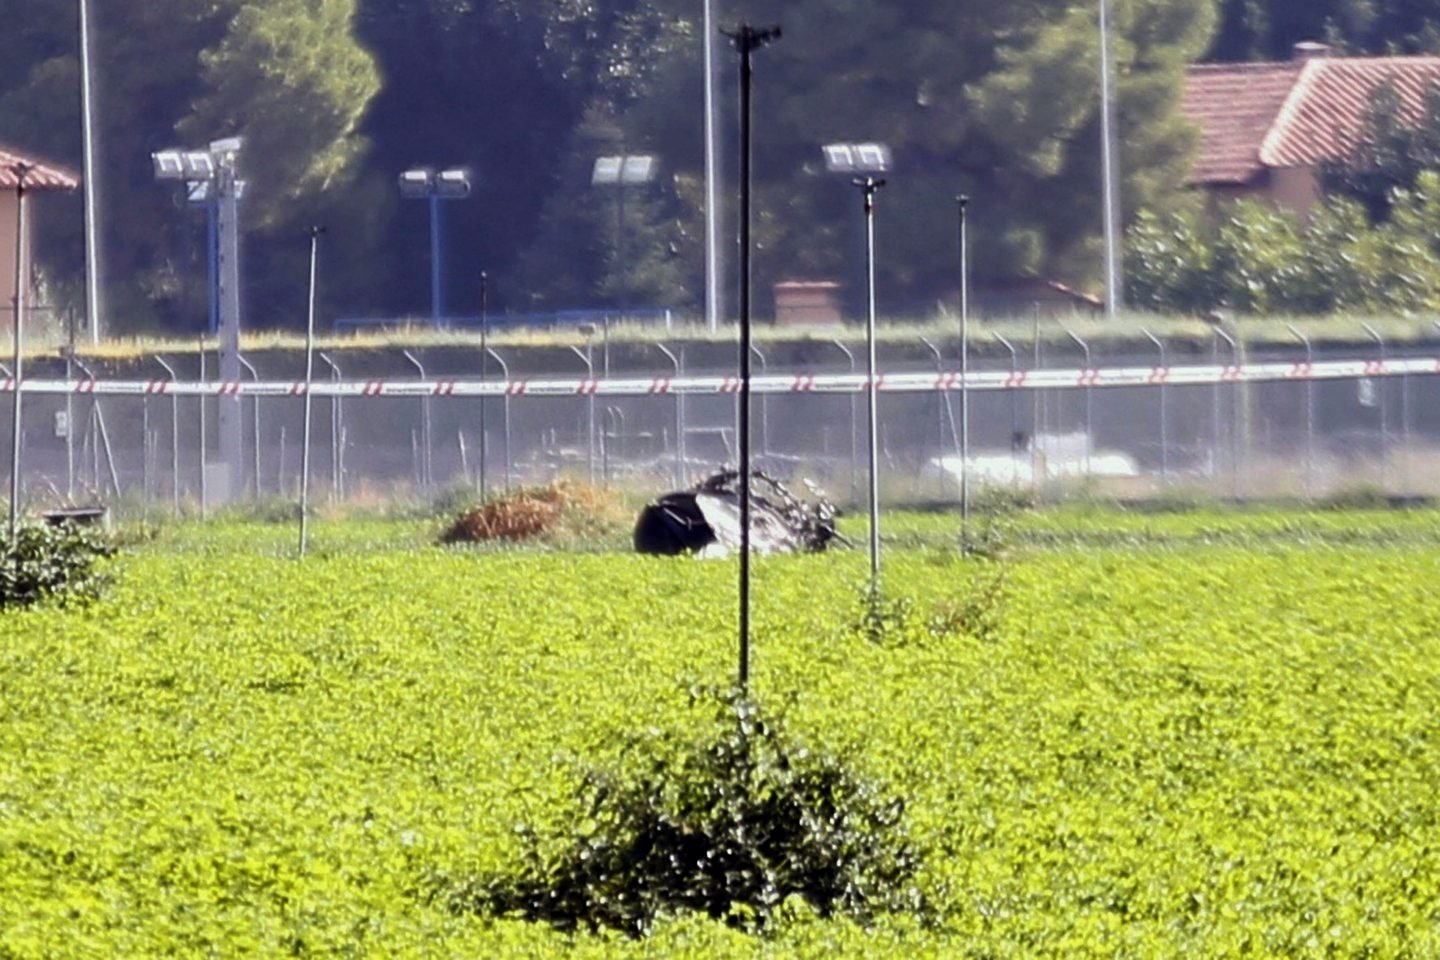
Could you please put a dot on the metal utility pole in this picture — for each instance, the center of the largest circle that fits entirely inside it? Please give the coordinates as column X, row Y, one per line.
column 484, row 348
column 21, row 170
column 1109, row 167
column 174, row 436
column 254, row 423
column 747, row 39
column 92, row 218
column 1164, row 410
column 226, row 154
column 309, row 400
column 713, row 307
column 868, row 186
column 963, row 202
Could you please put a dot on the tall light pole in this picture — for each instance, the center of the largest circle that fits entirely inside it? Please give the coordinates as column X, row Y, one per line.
column 747, row 39
column 1164, row 410
column 868, row 185
column 1109, row 172
column 309, row 400
column 963, row 203
column 713, row 302
column 621, row 171
column 423, row 183
column 212, row 179
column 21, row 171
column 92, row 219
column 867, row 160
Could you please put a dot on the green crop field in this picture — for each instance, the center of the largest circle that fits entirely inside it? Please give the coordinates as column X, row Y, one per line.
column 1195, row 735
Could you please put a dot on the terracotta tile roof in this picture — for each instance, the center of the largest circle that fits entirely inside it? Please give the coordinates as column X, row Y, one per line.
column 42, row 176
column 1235, row 106
column 1328, row 106
column 1298, row 113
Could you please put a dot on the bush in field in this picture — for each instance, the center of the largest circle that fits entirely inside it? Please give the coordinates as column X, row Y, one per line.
column 50, row 561
column 731, row 827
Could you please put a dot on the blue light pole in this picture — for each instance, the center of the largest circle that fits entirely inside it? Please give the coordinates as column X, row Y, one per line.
column 422, row 183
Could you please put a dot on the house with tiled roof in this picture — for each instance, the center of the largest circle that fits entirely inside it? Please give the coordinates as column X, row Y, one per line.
column 1266, row 129
column 39, row 176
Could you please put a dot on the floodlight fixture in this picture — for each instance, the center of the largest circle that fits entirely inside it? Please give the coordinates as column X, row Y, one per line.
column 416, row 184
column 226, row 148
column 198, row 165
column 606, row 170
column 638, row 169
column 857, row 157
column 199, row 192
column 624, row 169
column 169, row 164
column 452, row 184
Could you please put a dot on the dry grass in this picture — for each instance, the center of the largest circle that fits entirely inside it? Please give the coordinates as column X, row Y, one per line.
column 561, row 510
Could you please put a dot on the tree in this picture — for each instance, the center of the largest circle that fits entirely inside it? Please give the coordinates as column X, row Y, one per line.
column 1388, row 153
column 1269, row 29
column 999, row 101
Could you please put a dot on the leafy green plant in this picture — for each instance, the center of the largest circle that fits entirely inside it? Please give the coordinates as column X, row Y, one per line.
column 731, row 827
column 51, row 561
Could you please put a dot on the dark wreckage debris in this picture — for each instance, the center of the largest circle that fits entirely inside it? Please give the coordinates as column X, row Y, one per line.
column 706, row 519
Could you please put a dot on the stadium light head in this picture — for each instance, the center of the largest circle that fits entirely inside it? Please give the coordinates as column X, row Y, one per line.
column 452, row 184
column 849, row 158
column 169, row 164
column 624, row 169
column 417, row 183
column 226, row 149
column 198, row 165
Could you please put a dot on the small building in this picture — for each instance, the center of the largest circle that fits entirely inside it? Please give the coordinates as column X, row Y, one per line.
column 1267, row 129
column 39, row 177
column 807, row 303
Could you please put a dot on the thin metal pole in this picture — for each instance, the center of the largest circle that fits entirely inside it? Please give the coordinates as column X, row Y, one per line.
column 1109, row 166
column 427, row 464
column 504, row 410
column 764, row 406
column 942, row 404
column 91, row 173
column 1089, row 426
column 1162, row 372
column 680, row 471
column 587, row 359
column 1235, row 413
column 1014, row 392
column 174, row 436
column 963, row 202
column 484, row 348
column 337, row 429
column 309, row 400
column 21, row 171
column 200, row 399
column 854, row 427
column 254, row 423
column 712, row 179
column 70, row 411
column 1309, row 409
column 747, row 40
column 1384, row 414
column 868, row 186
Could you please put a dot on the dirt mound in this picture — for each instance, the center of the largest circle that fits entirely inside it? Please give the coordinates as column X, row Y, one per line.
column 560, row 508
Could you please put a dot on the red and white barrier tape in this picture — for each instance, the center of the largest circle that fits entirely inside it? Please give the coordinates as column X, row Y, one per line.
column 777, row 383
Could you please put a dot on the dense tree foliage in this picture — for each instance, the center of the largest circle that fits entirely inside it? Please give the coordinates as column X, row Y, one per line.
column 1269, row 29
column 1257, row 259
column 335, row 97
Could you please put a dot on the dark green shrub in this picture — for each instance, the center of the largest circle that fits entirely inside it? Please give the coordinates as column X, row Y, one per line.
column 730, row 827
column 51, row 561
